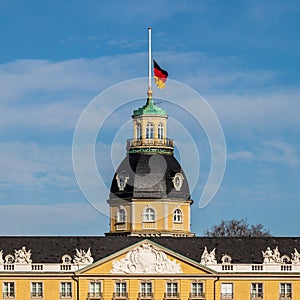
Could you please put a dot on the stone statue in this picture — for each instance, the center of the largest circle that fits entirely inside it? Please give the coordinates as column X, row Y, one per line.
column 1, row 257
column 22, row 256
column 209, row 257
column 271, row 256
column 295, row 256
column 83, row 257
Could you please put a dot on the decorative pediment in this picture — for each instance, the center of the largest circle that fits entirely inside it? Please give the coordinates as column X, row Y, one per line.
column 146, row 259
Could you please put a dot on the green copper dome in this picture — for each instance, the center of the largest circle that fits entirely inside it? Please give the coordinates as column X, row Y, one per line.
column 150, row 109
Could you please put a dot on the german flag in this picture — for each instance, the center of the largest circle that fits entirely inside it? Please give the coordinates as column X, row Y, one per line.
column 160, row 75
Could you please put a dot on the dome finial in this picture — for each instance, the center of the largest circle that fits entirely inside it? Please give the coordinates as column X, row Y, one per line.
column 149, row 93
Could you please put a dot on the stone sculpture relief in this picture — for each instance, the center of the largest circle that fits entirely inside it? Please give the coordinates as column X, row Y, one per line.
column 271, row 256
column 208, row 257
column 295, row 257
column 83, row 257
column 145, row 259
column 22, row 256
column 1, row 257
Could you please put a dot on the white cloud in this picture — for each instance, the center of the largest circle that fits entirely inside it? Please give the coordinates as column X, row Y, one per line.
column 69, row 219
column 35, row 166
column 241, row 155
column 279, row 152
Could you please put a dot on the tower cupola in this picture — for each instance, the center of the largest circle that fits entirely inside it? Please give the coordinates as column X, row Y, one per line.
column 150, row 130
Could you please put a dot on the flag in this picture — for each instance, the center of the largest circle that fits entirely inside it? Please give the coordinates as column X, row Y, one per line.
column 160, row 75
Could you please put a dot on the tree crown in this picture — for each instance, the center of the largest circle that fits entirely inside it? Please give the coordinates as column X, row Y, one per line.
column 237, row 228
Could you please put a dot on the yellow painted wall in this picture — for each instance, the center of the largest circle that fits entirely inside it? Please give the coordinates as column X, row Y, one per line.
column 51, row 286
column 241, row 286
column 160, row 207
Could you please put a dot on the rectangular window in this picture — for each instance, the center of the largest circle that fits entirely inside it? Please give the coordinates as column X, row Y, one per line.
column 197, row 289
column 285, row 291
column 8, row 290
column 36, row 289
column 95, row 289
column 120, row 289
column 226, row 291
column 256, row 291
column 65, row 289
column 172, row 289
column 146, row 289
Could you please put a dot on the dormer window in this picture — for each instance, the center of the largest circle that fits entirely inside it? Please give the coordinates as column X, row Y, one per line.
column 9, row 259
column 226, row 259
column 66, row 259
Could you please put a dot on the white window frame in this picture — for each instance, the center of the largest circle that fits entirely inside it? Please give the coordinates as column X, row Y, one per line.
column 177, row 215
column 149, row 131
column 120, row 288
column 197, row 289
column 121, row 215
column 226, row 290
column 172, row 289
column 9, row 289
column 257, row 290
column 139, row 131
column 95, row 289
column 146, row 288
column 66, row 289
column 149, row 215
column 160, row 131
column 285, row 289
column 36, row 289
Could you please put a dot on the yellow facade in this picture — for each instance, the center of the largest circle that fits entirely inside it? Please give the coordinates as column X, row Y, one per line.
column 176, row 280
column 164, row 216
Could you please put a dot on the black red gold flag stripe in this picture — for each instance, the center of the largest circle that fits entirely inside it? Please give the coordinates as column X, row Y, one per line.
column 160, row 75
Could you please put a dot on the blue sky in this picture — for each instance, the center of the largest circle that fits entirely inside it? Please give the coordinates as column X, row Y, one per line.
column 56, row 56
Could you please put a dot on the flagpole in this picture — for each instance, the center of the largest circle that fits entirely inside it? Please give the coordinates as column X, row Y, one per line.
column 149, row 63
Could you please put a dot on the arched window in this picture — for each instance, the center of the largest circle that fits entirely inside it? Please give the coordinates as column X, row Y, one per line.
column 139, row 131
column 149, row 215
column 160, row 131
column 121, row 215
column 149, row 131
column 177, row 216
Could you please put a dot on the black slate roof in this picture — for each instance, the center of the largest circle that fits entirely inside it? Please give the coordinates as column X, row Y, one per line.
column 50, row 249
column 150, row 176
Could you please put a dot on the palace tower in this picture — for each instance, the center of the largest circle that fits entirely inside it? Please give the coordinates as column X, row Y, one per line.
column 149, row 193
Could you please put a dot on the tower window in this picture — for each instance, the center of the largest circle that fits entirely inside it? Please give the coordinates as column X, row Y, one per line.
column 177, row 216
column 160, row 131
column 139, row 131
column 149, row 131
column 149, row 215
column 121, row 215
